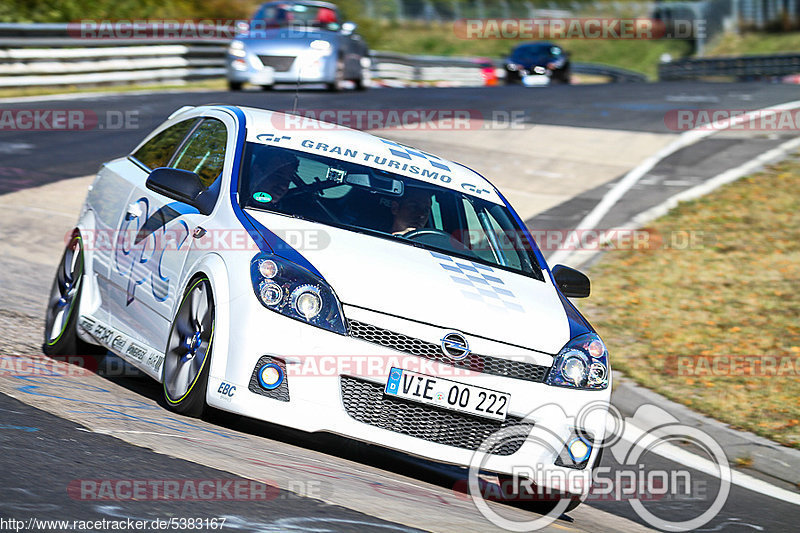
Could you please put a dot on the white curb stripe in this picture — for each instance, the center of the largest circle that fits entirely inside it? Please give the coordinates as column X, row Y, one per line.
column 685, row 139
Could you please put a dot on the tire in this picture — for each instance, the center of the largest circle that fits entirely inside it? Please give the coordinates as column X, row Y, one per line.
column 336, row 86
column 234, row 85
column 366, row 75
column 187, row 358
column 61, row 316
column 267, row 87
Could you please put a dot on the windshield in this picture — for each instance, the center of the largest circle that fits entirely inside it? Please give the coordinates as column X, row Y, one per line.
column 297, row 15
column 536, row 52
column 364, row 199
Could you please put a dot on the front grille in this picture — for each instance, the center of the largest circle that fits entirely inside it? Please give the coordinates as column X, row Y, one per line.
column 279, row 63
column 474, row 362
column 365, row 402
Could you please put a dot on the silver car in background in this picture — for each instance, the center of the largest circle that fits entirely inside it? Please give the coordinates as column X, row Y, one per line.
column 297, row 42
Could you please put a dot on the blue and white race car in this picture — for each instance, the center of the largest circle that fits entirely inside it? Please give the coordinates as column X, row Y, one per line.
column 329, row 280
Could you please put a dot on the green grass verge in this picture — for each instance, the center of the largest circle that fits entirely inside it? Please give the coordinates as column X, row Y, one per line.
column 440, row 39
column 730, row 44
column 735, row 292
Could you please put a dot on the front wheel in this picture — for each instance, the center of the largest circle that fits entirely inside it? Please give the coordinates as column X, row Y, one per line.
column 336, row 85
column 61, row 317
column 188, row 355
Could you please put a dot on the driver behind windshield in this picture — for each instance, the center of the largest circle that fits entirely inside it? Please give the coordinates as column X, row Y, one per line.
column 411, row 212
column 271, row 173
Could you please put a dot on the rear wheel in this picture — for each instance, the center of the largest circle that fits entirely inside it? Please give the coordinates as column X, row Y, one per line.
column 188, row 355
column 61, row 317
column 234, row 85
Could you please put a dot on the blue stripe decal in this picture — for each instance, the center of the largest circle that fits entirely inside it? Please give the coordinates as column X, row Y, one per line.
column 266, row 240
column 525, row 232
column 578, row 325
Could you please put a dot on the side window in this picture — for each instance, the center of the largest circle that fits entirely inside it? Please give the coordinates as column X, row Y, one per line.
column 204, row 152
column 158, row 151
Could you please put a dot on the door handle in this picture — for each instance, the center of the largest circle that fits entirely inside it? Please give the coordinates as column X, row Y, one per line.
column 198, row 232
column 134, row 211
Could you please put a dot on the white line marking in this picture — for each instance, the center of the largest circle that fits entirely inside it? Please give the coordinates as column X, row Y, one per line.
column 581, row 257
column 673, row 453
column 616, row 193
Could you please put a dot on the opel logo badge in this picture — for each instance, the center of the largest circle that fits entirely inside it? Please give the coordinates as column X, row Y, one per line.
column 455, row 346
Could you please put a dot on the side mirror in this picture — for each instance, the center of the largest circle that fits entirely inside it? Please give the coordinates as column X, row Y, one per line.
column 349, row 28
column 572, row 283
column 181, row 185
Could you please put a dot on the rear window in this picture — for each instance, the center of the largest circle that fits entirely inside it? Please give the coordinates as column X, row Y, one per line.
column 296, row 15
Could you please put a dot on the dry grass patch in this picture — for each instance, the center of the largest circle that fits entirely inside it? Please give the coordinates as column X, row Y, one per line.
column 670, row 315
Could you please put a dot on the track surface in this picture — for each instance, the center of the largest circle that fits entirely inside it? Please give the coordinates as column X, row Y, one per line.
column 55, row 453
column 35, row 157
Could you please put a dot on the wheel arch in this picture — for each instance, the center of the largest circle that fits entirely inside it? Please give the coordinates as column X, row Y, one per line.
column 212, row 267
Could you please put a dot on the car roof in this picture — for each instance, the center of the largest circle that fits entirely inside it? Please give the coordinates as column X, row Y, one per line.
column 313, row 3
column 323, row 138
column 538, row 44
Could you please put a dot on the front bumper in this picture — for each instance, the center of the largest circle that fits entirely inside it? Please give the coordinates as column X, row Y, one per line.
column 320, row 365
column 285, row 68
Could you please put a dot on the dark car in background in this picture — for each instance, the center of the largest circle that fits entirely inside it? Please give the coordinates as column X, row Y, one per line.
column 298, row 42
column 537, row 64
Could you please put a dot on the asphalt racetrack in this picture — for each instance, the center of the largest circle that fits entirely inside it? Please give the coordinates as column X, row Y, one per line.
column 63, row 426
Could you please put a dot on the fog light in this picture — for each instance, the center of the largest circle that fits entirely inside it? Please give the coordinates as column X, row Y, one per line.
column 579, row 450
column 270, row 376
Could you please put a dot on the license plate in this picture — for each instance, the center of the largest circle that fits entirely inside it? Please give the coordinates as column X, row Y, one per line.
column 534, row 80
column 447, row 394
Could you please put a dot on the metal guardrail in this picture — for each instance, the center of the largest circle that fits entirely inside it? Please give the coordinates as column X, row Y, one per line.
column 616, row 74
column 738, row 67
column 56, row 55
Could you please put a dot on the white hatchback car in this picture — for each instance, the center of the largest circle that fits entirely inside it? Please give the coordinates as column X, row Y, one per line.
column 332, row 281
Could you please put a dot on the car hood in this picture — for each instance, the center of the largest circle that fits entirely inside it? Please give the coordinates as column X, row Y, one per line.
column 281, row 38
column 418, row 284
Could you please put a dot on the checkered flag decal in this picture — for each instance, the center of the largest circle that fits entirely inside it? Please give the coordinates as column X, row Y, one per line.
column 477, row 283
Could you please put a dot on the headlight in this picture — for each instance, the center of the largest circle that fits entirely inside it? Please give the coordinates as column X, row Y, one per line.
column 236, row 49
column 582, row 364
column 321, row 46
column 291, row 290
